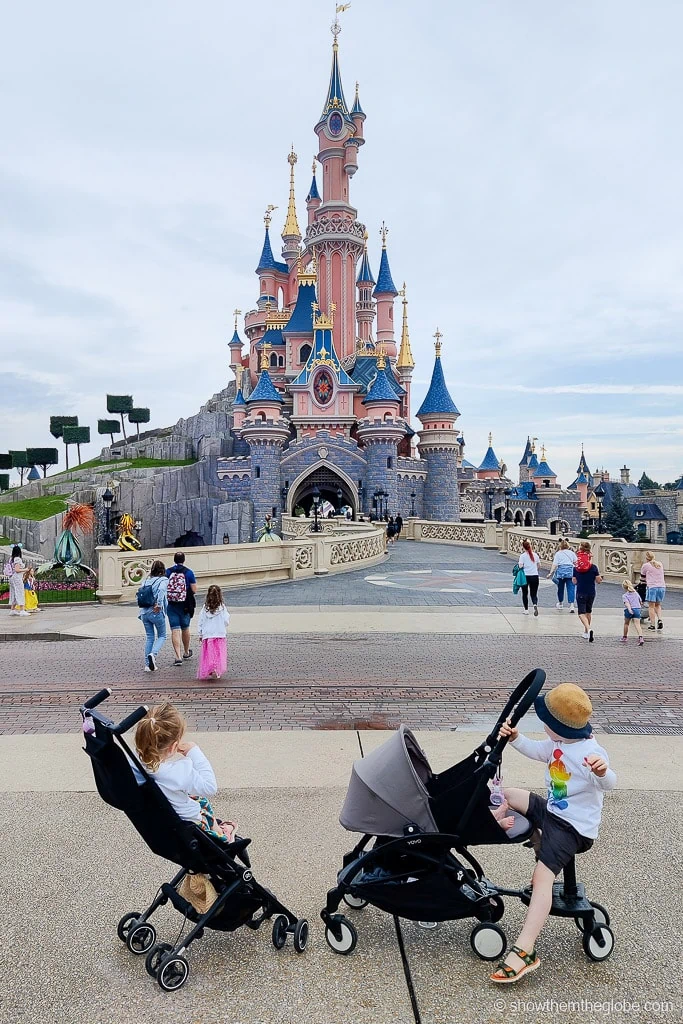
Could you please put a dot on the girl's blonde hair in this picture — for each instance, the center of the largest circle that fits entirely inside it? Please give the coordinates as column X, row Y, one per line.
column 627, row 585
column 564, row 544
column 650, row 557
column 162, row 726
column 214, row 599
column 585, row 546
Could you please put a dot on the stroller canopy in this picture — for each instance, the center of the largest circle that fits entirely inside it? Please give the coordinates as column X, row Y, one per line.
column 388, row 789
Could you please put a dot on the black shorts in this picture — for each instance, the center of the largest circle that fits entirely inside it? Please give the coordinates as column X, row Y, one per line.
column 559, row 840
column 584, row 603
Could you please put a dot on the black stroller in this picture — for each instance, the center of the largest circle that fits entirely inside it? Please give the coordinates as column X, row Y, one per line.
column 241, row 900
column 419, row 866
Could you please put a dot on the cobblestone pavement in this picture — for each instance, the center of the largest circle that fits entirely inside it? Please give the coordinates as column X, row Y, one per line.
column 347, row 681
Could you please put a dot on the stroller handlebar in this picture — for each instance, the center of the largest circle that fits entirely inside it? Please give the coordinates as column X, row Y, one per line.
column 132, row 719
column 519, row 702
column 97, row 699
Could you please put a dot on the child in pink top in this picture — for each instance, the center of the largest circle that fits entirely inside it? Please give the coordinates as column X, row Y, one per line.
column 653, row 573
column 632, row 606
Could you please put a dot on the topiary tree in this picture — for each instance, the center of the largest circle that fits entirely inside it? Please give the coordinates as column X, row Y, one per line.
column 77, row 436
column 110, row 427
column 646, row 483
column 57, row 424
column 618, row 519
column 20, row 462
column 138, row 416
column 121, row 405
column 5, row 461
column 42, row 457
column 4, row 481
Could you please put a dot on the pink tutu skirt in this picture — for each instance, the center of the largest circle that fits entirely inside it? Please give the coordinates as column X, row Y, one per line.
column 213, row 657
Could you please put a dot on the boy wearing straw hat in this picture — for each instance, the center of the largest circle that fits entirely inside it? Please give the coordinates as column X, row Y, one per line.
column 577, row 777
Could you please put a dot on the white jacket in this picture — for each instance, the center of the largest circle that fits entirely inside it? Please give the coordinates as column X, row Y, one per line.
column 212, row 625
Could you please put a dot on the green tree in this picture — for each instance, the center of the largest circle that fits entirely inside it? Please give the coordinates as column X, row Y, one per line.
column 5, row 461
column 77, row 436
column 618, row 519
column 110, row 427
column 57, row 424
column 138, row 416
column 671, row 486
column 42, row 457
column 646, row 483
column 121, row 405
column 4, row 481
column 20, row 462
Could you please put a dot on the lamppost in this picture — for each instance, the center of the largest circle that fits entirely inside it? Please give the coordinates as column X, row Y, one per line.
column 339, row 500
column 361, row 494
column 375, row 503
column 600, row 495
column 489, row 494
column 384, row 503
column 284, row 491
column 316, row 508
column 508, row 514
column 412, row 502
column 107, row 500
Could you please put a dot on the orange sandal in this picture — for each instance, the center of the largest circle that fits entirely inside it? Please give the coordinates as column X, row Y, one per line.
column 506, row 975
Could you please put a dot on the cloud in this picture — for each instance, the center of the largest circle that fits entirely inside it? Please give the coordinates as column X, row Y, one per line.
column 587, row 389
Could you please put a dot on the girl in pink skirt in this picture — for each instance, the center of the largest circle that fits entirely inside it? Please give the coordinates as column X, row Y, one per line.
column 213, row 622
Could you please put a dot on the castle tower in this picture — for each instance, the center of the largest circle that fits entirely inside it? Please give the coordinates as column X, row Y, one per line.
column 291, row 236
column 265, row 431
column 490, row 466
column 380, row 434
column 365, row 307
column 333, row 229
column 385, row 292
column 439, row 446
column 313, row 199
column 405, row 363
column 543, row 476
column 235, row 345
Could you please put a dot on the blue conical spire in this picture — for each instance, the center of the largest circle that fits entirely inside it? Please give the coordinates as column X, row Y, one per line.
column 313, row 190
column 365, row 274
column 381, row 390
column 335, row 93
column 267, row 261
column 527, row 452
column 438, row 401
column 356, row 109
column 265, row 390
column 385, row 284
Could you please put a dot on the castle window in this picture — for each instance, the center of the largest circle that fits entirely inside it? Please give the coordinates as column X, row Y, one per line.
column 281, row 361
column 390, row 462
column 258, row 472
column 273, row 359
column 304, row 353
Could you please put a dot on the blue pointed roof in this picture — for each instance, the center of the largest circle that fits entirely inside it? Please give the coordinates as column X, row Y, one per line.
column 381, row 390
column 268, row 261
column 239, row 399
column 679, row 485
column 356, row 108
column 527, row 453
column 33, row 474
column 583, row 465
column 544, row 470
column 490, row 460
column 533, row 461
column 335, row 93
column 581, row 479
column 365, row 370
column 323, row 353
column 313, row 190
column 271, row 336
column 438, row 400
column 301, row 320
column 365, row 274
column 467, row 465
column 385, row 284
column 265, row 390
column 235, row 340
column 526, row 490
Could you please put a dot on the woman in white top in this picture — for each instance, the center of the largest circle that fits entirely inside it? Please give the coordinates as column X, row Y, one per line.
column 528, row 560
column 562, row 572
column 213, row 622
column 17, row 599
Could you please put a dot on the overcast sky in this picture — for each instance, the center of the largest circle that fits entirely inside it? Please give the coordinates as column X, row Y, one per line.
column 527, row 157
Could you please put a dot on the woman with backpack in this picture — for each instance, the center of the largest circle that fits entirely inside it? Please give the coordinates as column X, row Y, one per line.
column 14, row 572
column 153, row 604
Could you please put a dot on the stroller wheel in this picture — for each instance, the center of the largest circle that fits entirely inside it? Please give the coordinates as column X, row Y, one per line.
column 598, row 943
column 345, row 940
column 155, row 956
column 600, row 915
column 141, row 938
column 488, row 941
column 355, row 902
column 173, row 973
column 301, row 935
column 124, row 924
column 279, row 935
column 496, row 908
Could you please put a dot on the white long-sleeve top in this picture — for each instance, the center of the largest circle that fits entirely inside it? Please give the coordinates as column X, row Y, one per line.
column 529, row 564
column 575, row 793
column 183, row 777
column 212, row 625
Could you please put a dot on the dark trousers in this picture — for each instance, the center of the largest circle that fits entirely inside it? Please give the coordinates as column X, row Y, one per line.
column 531, row 585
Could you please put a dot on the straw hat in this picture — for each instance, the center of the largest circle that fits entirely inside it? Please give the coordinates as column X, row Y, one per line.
column 566, row 709
column 198, row 890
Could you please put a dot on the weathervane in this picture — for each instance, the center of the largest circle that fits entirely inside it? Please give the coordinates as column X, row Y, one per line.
column 335, row 28
column 236, row 313
column 268, row 215
column 437, row 345
column 384, row 231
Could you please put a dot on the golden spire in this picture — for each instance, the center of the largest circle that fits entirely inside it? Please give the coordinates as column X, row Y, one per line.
column 265, row 355
column 323, row 321
column 405, row 359
column 384, row 231
column 365, row 239
column 542, row 453
column 314, row 166
column 437, row 344
column 533, row 444
column 381, row 357
column 236, row 313
column 490, row 438
column 291, row 228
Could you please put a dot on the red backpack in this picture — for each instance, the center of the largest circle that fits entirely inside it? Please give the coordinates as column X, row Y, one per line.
column 583, row 561
column 177, row 587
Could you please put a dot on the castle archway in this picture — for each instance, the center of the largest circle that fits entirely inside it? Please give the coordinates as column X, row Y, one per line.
column 329, row 480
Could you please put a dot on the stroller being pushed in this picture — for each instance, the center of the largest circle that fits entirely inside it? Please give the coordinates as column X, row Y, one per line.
column 419, row 866
column 238, row 899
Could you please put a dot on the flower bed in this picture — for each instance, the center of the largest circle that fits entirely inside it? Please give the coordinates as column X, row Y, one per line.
column 54, row 587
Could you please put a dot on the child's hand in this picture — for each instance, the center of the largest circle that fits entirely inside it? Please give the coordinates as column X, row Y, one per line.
column 508, row 730
column 596, row 764
column 184, row 747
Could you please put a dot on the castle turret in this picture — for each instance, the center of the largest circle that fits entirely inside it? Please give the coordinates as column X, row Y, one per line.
column 265, row 431
column 490, row 466
column 365, row 307
column 543, row 475
column 380, row 433
column 268, row 266
column 313, row 199
column 439, row 446
column 405, row 362
column 239, row 410
column 235, row 345
column 291, row 236
column 384, row 294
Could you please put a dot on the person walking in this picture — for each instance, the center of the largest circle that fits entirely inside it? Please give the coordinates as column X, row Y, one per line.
column 632, row 606
column 15, row 569
column 562, row 574
column 653, row 571
column 214, row 619
column 528, row 561
column 153, row 603
column 182, row 586
column 585, row 580
column 399, row 525
column 391, row 530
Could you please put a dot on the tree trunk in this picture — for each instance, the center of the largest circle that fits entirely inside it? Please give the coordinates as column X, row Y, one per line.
column 123, row 427
column 66, row 449
column 21, row 476
column 138, row 426
column 78, row 447
column 112, row 440
column 44, row 469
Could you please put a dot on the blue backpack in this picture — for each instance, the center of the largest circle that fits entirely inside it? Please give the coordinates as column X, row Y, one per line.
column 146, row 595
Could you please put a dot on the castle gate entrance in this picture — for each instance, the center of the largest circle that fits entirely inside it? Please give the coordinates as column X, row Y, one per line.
column 329, row 484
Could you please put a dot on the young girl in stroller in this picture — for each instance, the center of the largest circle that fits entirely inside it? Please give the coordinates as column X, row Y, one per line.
column 180, row 769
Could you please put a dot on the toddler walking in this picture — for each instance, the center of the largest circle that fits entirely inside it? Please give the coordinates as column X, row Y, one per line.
column 180, row 769
column 577, row 776
column 213, row 622
column 632, row 608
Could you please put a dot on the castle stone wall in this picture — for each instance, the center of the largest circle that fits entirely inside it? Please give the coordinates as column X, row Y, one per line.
column 441, row 492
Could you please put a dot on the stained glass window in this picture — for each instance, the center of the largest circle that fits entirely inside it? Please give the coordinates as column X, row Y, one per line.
column 322, row 387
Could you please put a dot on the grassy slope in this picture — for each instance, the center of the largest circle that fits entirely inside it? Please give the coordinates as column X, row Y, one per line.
column 119, row 464
column 34, row 508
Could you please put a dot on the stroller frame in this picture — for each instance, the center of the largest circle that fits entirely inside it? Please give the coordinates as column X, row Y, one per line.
column 429, row 850
column 196, row 852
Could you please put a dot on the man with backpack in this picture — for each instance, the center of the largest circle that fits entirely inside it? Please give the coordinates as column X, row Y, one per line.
column 182, row 586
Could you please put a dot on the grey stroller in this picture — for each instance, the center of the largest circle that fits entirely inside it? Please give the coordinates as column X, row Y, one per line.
column 419, row 866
